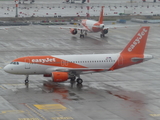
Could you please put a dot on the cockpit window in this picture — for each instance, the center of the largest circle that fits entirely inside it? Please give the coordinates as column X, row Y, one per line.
column 15, row 63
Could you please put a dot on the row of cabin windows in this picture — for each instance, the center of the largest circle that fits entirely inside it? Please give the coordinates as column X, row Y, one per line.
column 90, row 61
column 81, row 61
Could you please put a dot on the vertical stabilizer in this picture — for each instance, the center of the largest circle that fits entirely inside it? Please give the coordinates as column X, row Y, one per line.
column 101, row 16
column 138, row 42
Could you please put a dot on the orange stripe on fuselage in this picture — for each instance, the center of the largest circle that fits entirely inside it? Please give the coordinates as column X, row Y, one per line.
column 48, row 60
column 85, row 24
column 96, row 29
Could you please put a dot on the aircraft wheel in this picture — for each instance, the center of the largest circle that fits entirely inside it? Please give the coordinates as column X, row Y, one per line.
column 81, row 36
column 79, row 81
column 102, row 35
column 26, row 81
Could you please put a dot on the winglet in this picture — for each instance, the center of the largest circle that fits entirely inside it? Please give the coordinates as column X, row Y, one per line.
column 138, row 42
column 101, row 16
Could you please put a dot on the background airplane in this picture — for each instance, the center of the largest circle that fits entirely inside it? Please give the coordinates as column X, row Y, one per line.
column 63, row 67
column 92, row 26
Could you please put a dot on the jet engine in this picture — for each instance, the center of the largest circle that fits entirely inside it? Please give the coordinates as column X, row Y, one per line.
column 73, row 31
column 60, row 76
column 105, row 31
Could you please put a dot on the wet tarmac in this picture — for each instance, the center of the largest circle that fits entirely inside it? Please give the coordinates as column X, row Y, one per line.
column 130, row 93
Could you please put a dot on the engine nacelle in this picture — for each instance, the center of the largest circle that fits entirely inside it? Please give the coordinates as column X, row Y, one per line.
column 60, row 76
column 73, row 31
column 105, row 31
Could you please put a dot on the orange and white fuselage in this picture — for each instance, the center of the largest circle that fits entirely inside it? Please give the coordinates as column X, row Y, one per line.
column 48, row 64
column 92, row 26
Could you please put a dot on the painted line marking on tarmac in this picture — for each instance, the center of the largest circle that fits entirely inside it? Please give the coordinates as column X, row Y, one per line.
column 3, row 87
column 35, row 112
column 28, row 119
column 155, row 115
column 50, row 106
column 12, row 111
column 62, row 118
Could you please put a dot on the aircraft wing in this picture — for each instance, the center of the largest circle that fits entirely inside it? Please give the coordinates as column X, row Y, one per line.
column 50, row 70
column 118, row 26
column 78, row 28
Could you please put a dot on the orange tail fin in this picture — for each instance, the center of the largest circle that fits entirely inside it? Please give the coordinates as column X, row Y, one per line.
column 138, row 42
column 101, row 16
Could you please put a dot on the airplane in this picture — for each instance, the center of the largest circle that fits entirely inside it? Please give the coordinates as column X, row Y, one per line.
column 91, row 26
column 72, row 1
column 31, row 1
column 64, row 67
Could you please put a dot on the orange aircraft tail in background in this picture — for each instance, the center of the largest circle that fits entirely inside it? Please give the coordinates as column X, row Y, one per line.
column 101, row 16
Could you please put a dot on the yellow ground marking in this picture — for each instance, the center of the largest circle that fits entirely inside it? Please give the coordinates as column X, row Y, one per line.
column 29, row 113
column 51, row 106
column 62, row 118
column 35, row 112
column 155, row 115
column 12, row 111
column 0, row 67
column 3, row 87
column 28, row 119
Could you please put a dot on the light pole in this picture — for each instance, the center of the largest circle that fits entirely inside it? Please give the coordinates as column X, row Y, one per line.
column 16, row 2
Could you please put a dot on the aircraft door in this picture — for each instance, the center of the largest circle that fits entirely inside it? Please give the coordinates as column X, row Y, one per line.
column 120, row 61
column 27, row 63
column 64, row 63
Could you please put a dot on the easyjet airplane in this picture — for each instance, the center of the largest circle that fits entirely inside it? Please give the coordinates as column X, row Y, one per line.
column 63, row 67
column 91, row 26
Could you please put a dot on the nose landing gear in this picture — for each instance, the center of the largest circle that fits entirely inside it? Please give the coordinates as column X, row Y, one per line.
column 26, row 81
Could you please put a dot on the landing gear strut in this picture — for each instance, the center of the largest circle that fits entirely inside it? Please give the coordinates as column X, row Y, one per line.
column 26, row 80
column 81, row 35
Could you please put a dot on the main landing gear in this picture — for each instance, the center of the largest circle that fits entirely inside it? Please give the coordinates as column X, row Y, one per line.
column 78, row 80
column 83, row 33
column 102, row 35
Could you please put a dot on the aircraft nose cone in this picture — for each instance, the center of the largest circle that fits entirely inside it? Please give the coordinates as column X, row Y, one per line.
column 7, row 69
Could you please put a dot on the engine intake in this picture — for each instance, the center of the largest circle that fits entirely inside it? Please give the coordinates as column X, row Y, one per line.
column 73, row 31
column 105, row 31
